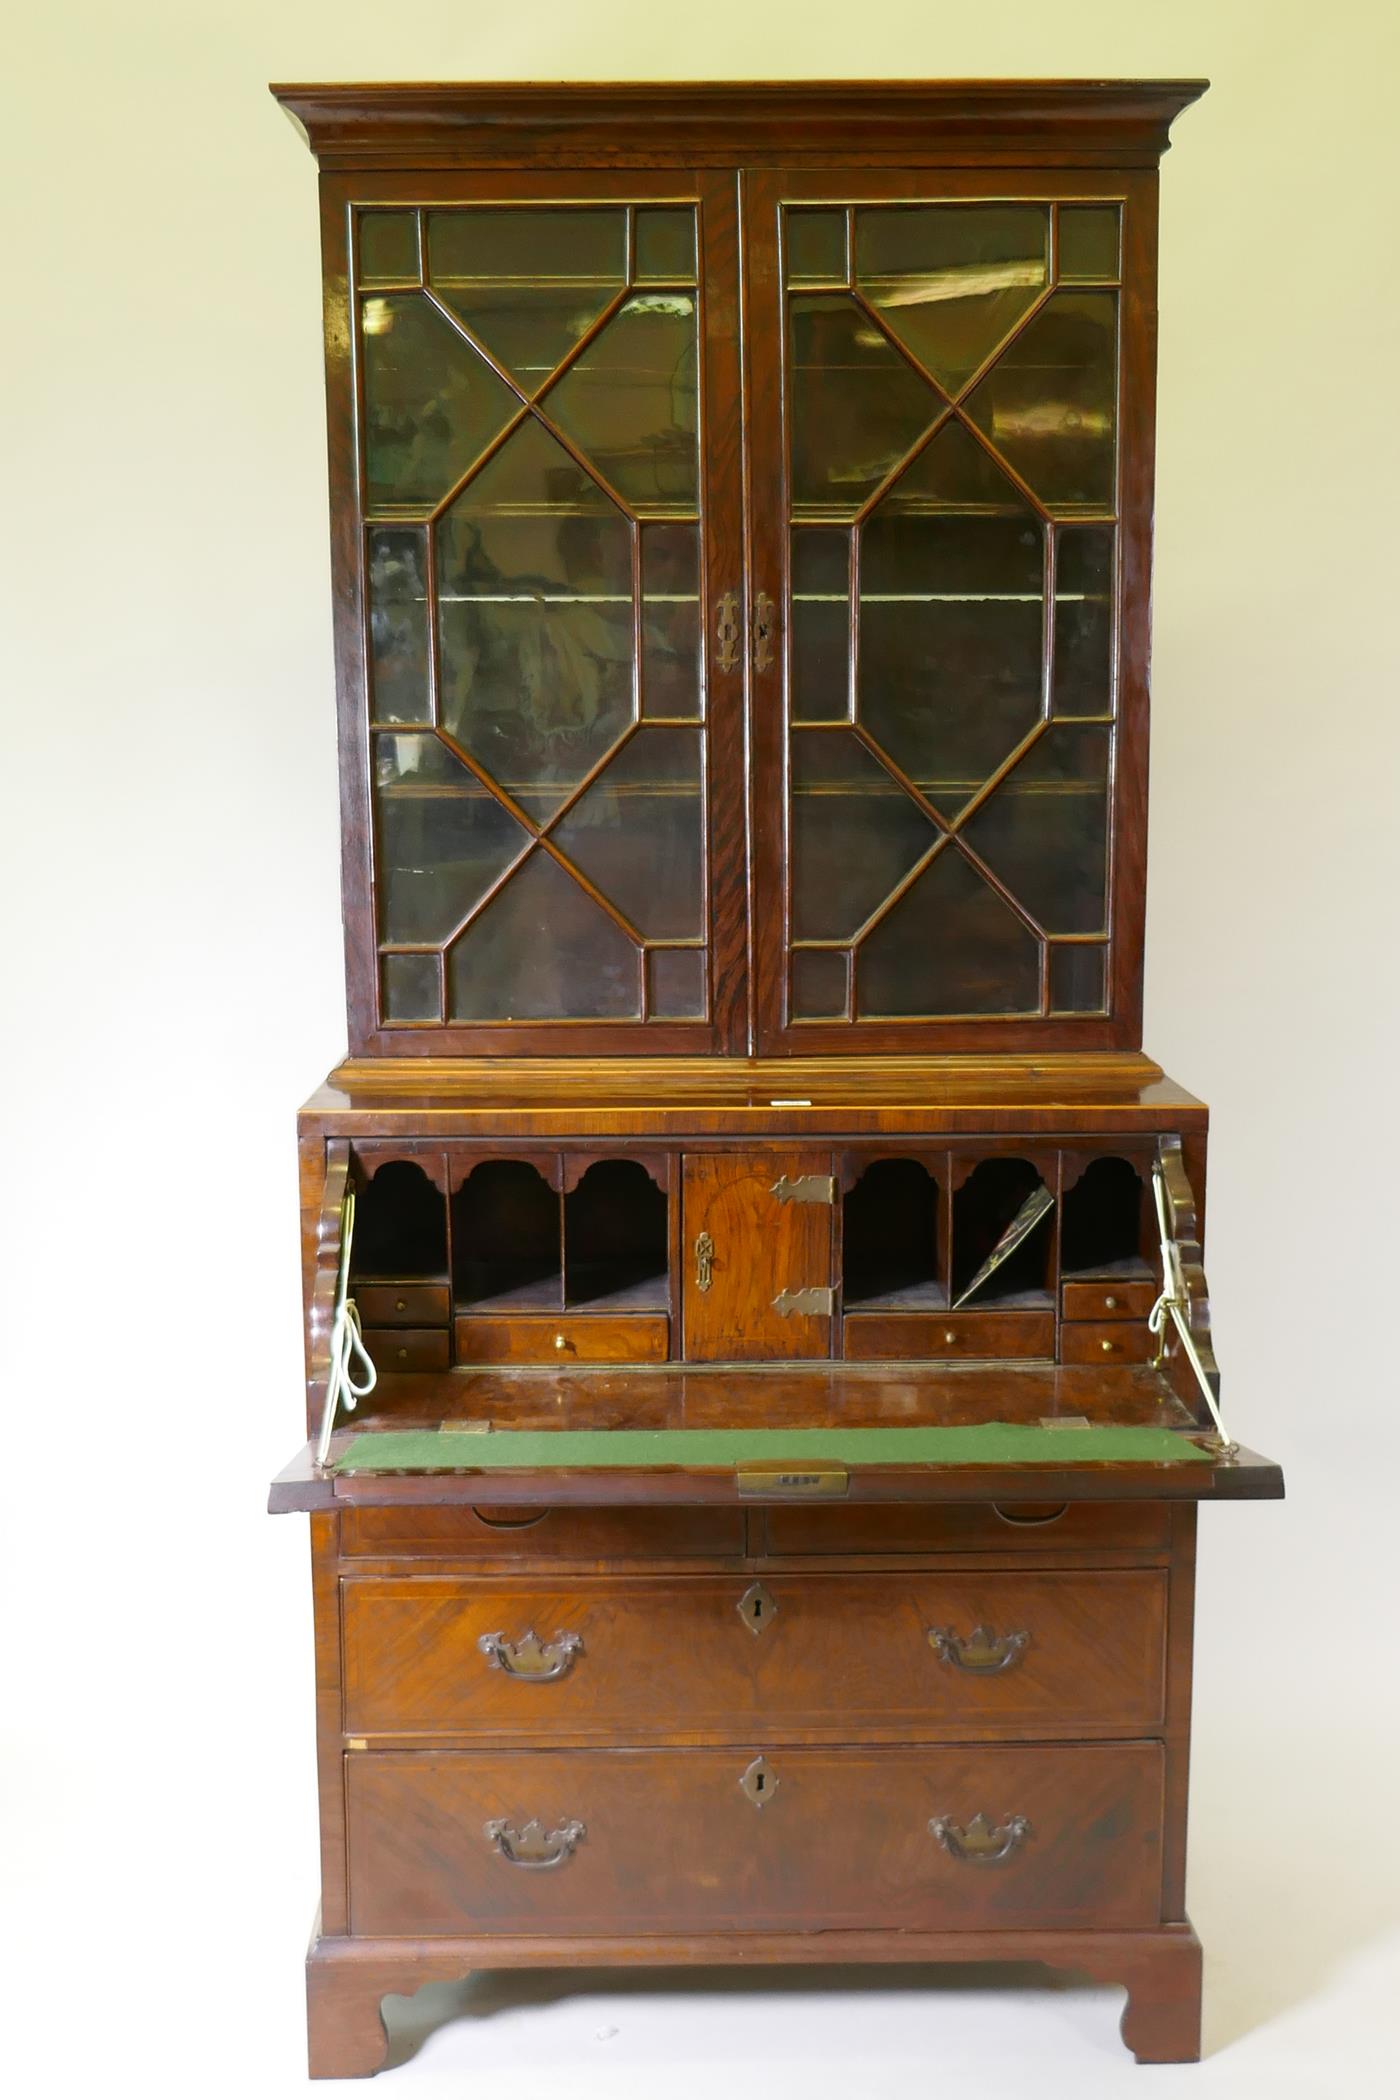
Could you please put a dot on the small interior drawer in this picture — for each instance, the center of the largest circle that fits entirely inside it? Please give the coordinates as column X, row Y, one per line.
column 409, row 1348
column 564, row 1338
column 950, row 1334
column 1107, row 1342
column 403, row 1304
column 1109, row 1300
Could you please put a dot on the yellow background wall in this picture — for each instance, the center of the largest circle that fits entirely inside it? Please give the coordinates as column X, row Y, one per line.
column 173, row 941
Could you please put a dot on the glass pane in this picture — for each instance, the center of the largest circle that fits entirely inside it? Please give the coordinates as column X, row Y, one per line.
column 542, row 950
column 1084, row 586
column 411, row 988
column 953, row 280
column 856, row 406
column 443, row 839
column 670, row 620
column 952, row 575
column 501, row 243
column 1078, row 980
column 630, row 402
column 432, row 404
column 1044, row 830
column 666, row 246
column 855, row 834
column 819, row 984
column 677, row 984
column 950, row 946
column 534, row 568
column 636, row 833
column 398, row 628
column 816, row 247
column 1048, row 402
column 388, row 246
column 820, row 628
column 1089, row 242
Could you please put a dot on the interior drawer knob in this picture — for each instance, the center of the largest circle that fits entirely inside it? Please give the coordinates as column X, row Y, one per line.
column 530, row 1657
column 1110, row 1303
column 1107, row 1346
column 533, row 1846
column 980, row 1843
column 982, row 1654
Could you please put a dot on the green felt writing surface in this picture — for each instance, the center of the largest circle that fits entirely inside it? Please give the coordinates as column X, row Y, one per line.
column 982, row 1444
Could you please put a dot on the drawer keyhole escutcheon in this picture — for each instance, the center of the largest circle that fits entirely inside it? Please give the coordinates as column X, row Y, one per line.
column 533, row 1845
column 540, row 1662
column 759, row 1781
column 981, row 1653
column 756, row 1607
column 980, row 1843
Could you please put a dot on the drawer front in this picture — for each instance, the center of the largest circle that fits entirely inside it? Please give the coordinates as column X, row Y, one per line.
column 951, row 1334
column 525, row 1534
column 403, row 1304
column 409, row 1348
column 1108, row 1300
column 566, row 1338
column 1107, row 1342
column 942, row 1657
column 972, row 1527
column 669, row 1841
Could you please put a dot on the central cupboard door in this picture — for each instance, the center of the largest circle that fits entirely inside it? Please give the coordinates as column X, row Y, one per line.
column 949, row 439
column 758, row 1254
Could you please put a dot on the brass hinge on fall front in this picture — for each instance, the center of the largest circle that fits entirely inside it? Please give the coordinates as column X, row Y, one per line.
column 804, row 1188
column 815, row 1299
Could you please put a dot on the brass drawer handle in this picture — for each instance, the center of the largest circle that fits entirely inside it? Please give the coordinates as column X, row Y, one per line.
column 982, row 1654
column 538, row 1661
column 704, row 1262
column 980, row 1844
column 534, row 1846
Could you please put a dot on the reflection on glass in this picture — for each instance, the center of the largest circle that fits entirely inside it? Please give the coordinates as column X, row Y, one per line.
column 1044, row 830
column 855, row 834
column 951, row 619
column 953, row 280
column 1089, row 242
column 1078, row 980
column 856, row 406
column 542, row 950
column 630, row 402
column 1048, row 402
column 636, row 833
column 535, row 613
column 388, row 247
column 398, row 627
column 950, row 945
column 411, row 990
column 432, row 404
column 670, row 619
column 820, row 627
column 442, row 838
column 1084, row 591
column 816, row 247
column 677, row 983
column 819, row 984
column 666, row 245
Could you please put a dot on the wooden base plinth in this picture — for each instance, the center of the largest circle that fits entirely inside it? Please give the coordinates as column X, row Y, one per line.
column 347, row 1979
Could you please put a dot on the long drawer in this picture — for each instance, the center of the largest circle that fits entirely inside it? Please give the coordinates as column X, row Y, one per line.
column 754, row 1838
column 940, row 1657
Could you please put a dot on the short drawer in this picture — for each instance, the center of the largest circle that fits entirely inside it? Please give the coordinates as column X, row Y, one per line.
column 951, row 1334
column 755, row 1838
column 409, row 1348
column 403, row 1304
column 1107, row 1342
column 938, row 1657
column 1025, row 1527
column 526, row 1534
column 565, row 1339
column 1108, row 1300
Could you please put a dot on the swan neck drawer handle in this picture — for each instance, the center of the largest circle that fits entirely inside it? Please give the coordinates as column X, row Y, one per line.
column 530, row 1657
column 982, row 1653
column 533, row 1846
column 981, row 1843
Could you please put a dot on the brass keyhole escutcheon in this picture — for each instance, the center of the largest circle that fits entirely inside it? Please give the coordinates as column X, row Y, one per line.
column 756, row 1607
column 704, row 1262
column 759, row 1781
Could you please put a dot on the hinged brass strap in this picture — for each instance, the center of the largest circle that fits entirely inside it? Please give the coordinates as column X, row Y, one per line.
column 804, row 1188
column 809, row 1301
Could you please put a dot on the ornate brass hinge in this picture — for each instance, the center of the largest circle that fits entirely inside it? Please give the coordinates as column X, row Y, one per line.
column 809, row 1301
column 804, row 1188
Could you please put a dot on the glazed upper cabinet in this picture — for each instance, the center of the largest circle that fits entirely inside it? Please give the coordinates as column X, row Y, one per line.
column 708, row 688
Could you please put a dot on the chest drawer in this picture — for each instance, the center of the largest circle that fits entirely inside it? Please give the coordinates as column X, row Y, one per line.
column 879, row 1657
column 653, row 1841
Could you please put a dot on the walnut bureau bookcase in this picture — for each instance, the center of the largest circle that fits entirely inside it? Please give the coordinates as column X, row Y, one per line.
column 759, row 1376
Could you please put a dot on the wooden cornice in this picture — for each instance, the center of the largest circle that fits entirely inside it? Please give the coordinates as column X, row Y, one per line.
column 419, row 124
